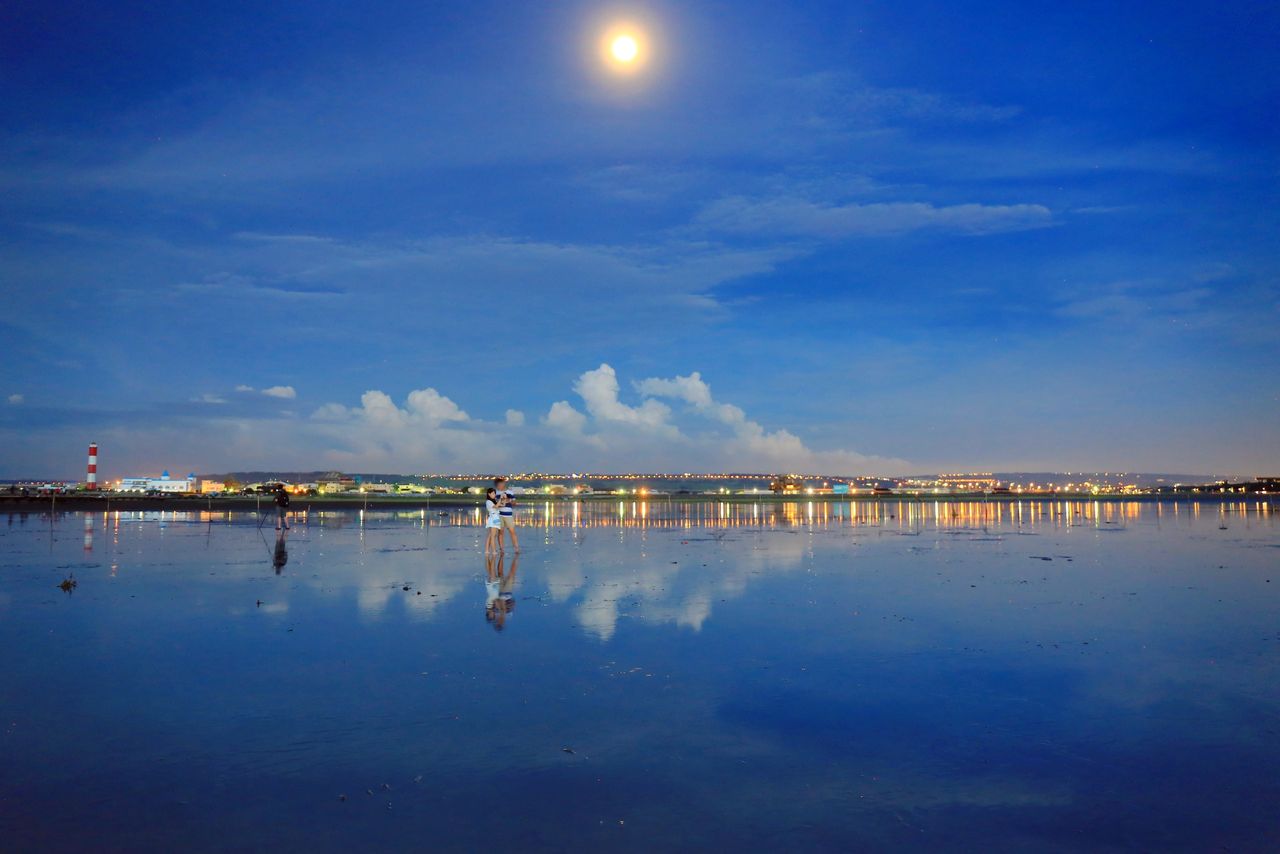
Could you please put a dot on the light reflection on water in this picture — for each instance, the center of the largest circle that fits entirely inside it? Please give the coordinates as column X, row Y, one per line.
column 724, row 514
column 905, row 675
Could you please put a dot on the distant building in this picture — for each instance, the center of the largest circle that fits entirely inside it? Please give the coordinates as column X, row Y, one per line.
column 336, row 483
column 787, row 484
column 163, row 483
column 212, row 486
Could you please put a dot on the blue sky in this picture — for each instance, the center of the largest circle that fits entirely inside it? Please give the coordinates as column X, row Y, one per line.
column 841, row 237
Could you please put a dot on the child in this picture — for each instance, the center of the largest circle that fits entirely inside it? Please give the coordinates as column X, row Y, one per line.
column 493, row 525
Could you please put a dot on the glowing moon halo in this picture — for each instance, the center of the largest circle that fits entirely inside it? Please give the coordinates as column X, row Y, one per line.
column 624, row 48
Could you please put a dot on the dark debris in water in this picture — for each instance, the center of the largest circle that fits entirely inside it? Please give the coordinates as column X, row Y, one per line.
column 68, row 584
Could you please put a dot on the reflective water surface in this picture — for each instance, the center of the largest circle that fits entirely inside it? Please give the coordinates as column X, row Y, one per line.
column 988, row 676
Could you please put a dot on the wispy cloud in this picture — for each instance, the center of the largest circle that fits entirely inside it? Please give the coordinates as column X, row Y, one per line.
column 792, row 217
column 281, row 238
column 282, row 391
column 839, row 98
column 16, row 399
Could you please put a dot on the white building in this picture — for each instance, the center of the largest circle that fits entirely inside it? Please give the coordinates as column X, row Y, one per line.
column 163, row 483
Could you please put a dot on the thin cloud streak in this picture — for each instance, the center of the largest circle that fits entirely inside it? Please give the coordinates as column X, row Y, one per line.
column 799, row 217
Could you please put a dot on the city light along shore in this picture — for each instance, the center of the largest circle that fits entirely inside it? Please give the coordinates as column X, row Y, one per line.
column 337, row 490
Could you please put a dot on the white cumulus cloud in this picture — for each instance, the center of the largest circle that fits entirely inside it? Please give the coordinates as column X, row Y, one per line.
column 564, row 419
column 428, row 431
column 749, row 440
column 599, row 392
column 16, row 399
column 649, row 435
column 282, row 391
column 671, row 423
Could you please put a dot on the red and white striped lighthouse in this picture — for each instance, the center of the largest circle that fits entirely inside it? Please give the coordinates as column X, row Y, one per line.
column 91, row 480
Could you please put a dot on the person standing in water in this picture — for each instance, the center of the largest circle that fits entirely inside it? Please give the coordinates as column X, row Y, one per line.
column 507, row 512
column 493, row 523
column 282, row 508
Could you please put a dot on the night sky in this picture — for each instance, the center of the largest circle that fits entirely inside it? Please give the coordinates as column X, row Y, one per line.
column 870, row 237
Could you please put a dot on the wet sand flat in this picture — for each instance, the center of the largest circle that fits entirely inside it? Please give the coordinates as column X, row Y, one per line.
column 1011, row 676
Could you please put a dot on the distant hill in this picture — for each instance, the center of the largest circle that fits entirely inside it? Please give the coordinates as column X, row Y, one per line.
column 1058, row 478
column 310, row 476
column 1146, row 479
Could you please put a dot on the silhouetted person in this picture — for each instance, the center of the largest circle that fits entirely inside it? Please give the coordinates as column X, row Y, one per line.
column 282, row 508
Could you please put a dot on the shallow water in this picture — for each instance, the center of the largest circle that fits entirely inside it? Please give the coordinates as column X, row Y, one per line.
column 1068, row 676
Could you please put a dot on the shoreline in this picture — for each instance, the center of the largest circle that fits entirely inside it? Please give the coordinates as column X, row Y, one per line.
column 107, row 503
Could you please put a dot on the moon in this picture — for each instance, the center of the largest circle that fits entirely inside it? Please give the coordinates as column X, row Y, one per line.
column 624, row 48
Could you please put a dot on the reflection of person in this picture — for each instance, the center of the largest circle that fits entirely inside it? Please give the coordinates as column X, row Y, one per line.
column 507, row 511
column 282, row 508
column 281, row 555
column 499, row 592
column 491, row 584
column 493, row 523
column 507, row 584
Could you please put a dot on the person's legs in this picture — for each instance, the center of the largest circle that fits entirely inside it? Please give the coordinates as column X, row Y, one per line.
column 509, row 523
